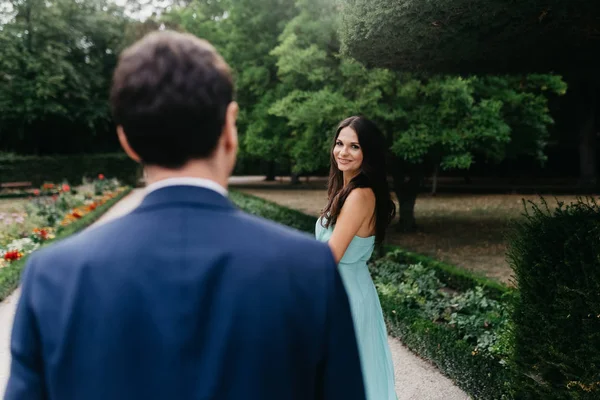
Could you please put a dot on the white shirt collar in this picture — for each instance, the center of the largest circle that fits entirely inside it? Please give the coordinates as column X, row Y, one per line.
column 187, row 181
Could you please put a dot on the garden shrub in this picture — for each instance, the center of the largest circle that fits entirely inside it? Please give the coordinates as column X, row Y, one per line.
column 455, row 277
column 465, row 334
column 555, row 255
column 266, row 209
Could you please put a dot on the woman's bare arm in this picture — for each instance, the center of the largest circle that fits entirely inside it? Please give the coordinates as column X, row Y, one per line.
column 357, row 209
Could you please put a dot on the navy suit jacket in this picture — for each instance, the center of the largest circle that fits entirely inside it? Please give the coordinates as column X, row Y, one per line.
column 185, row 298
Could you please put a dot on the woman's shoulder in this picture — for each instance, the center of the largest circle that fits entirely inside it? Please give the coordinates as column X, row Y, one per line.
column 363, row 196
column 362, row 193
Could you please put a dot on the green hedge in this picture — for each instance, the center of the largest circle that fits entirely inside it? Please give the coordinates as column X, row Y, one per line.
column 465, row 334
column 556, row 259
column 10, row 276
column 455, row 277
column 483, row 376
column 283, row 215
column 73, row 169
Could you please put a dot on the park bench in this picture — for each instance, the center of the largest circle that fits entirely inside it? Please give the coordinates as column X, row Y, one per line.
column 15, row 185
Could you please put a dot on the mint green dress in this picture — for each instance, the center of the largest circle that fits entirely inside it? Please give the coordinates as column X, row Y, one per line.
column 371, row 333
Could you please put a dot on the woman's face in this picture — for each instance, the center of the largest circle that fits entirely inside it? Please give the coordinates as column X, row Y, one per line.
column 347, row 151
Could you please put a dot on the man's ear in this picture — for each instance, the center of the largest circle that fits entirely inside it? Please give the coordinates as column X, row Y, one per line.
column 125, row 145
column 229, row 134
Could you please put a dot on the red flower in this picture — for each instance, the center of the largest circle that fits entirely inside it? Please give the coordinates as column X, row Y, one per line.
column 55, row 197
column 12, row 255
column 42, row 233
column 66, row 188
column 101, row 177
column 36, row 192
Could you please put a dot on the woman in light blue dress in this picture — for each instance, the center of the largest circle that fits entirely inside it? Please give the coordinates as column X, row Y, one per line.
column 355, row 219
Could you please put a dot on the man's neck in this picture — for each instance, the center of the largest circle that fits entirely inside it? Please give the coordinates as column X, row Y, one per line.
column 193, row 169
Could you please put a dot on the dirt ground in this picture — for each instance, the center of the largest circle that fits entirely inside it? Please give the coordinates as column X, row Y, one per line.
column 465, row 230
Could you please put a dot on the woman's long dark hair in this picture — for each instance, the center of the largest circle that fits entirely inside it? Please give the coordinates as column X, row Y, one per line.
column 372, row 175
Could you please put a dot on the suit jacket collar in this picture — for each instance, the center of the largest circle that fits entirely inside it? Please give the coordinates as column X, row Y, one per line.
column 187, row 181
column 181, row 195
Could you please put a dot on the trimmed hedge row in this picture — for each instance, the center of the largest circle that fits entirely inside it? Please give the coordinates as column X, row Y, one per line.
column 283, row 215
column 455, row 277
column 10, row 276
column 421, row 317
column 73, row 169
column 482, row 376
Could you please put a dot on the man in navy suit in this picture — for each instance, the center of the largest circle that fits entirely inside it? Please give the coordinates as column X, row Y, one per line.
column 186, row 297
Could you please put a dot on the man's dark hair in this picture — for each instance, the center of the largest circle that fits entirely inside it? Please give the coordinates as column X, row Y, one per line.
column 170, row 94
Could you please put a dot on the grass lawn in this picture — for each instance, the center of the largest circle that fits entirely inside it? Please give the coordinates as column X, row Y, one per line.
column 465, row 230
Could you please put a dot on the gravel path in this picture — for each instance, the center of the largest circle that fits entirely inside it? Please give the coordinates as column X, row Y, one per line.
column 416, row 379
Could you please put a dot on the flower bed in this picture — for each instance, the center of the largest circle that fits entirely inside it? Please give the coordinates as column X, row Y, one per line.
column 457, row 320
column 48, row 217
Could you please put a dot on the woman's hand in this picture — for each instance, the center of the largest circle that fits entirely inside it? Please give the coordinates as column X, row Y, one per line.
column 358, row 209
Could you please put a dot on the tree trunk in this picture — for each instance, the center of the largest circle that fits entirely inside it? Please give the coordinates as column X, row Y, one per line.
column 587, row 154
column 467, row 177
column 434, row 183
column 587, row 138
column 270, row 171
column 407, row 192
column 295, row 178
column 408, row 222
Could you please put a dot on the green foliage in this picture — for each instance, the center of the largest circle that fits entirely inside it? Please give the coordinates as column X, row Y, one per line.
column 430, row 121
column 293, row 85
column 472, row 36
column 102, row 185
column 72, row 169
column 480, row 376
column 265, row 209
column 56, row 60
column 476, row 318
column 556, row 259
column 452, row 276
column 245, row 32
column 49, row 211
column 10, row 275
column 318, row 88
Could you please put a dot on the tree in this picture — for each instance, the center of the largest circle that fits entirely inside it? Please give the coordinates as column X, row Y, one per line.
column 430, row 122
column 56, row 59
column 245, row 32
column 449, row 120
column 483, row 37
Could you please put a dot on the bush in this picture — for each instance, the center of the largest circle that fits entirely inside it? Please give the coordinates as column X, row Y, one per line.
column 455, row 277
column 73, row 169
column 465, row 334
column 265, row 209
column 556, row 259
